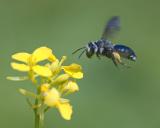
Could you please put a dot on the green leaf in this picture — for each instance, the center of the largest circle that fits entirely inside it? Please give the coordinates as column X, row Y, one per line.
column 17, row 78
column 28, row 93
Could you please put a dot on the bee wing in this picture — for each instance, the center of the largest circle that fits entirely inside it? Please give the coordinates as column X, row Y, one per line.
column 111, row 28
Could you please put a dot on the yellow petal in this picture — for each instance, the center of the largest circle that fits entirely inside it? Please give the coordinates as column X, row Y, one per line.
column 74, row 70
column 71, row 87
column 45, row 87
column 20, row 67
column 23, row 57
column 61, row 79
column 52, row 97
column 65, row 110
column 54, row 67
column 41, row 54
column 52, row 58
column 42, row 70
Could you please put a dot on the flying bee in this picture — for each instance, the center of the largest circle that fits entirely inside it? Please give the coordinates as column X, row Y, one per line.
column 105, row 47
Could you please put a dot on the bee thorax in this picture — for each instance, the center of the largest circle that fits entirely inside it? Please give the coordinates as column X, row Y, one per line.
column 101, row 50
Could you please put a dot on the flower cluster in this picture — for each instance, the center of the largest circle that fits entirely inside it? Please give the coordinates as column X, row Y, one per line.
column 52, row 80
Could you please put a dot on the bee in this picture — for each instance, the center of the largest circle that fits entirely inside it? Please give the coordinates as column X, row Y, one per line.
column 105, row 47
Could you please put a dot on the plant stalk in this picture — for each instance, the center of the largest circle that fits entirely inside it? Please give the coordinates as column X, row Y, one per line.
column 39, row 114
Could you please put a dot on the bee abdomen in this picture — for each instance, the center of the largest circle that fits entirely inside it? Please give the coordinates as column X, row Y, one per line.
column 125, row 52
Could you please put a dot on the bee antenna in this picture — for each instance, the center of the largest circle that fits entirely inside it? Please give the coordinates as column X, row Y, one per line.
column 81, row 54
column 78, row 50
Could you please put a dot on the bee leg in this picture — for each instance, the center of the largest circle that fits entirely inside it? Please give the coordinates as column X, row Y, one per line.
column 115, row 58
column 115, row 62
column 98, row 56
column 124, row 64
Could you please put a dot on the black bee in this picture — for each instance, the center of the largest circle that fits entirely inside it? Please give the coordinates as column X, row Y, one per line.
column 104, row 47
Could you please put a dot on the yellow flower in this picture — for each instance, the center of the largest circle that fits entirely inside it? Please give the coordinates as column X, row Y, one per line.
column 74, row 70
column 55, row 83
column 52, row 99
column 30, row 61
column 65, row 110
column 44, row 87
column 70, row 87
column 52, row 58
column 55, row 66
column 61, row 79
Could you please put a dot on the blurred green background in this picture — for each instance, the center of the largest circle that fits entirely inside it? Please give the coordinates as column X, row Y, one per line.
column 110, row 98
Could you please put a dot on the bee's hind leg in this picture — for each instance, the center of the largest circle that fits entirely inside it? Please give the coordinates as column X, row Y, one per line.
column 115, row 62
column 124, row 64
column 117, row 59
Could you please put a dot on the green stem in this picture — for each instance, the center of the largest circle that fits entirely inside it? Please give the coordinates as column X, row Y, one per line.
column 38, row 110
column 39, row 114
column 37, row 121
column 46, row 109
column 42, row 119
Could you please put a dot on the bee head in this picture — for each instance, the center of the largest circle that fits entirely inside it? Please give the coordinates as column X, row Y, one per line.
column 89, row 54
column 90, row 48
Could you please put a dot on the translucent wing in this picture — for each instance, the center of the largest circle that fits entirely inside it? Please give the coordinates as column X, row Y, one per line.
column 111, row 28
